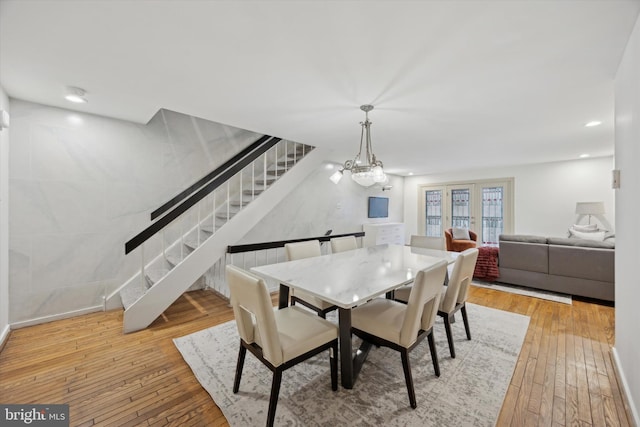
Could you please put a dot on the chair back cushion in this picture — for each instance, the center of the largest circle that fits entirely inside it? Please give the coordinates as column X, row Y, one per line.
column 341, row 244
column 300, row 250
column 460, row 279
column 469, row 266
column 427, row 242
column 426, row 287
column 251, row 302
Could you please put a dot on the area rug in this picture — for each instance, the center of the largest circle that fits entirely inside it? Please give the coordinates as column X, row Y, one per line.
column 522, row 290
column 470, row 390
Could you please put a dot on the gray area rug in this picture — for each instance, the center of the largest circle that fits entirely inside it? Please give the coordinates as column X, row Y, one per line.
column 523, row 290
column 469, row 392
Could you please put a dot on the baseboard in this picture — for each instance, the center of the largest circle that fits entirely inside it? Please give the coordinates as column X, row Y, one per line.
column 633, row 411
column 54, row 317
column 4, row 336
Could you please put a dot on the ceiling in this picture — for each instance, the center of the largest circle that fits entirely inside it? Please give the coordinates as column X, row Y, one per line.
column 455, row 84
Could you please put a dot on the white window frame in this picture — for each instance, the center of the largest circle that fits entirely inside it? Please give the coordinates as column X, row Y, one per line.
column 476, row 187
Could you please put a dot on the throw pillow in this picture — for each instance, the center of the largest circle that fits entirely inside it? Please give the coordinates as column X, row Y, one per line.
column 598, row 236
column 460, row 233
column 585, row 228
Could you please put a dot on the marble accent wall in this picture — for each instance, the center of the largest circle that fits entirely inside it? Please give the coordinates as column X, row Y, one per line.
column 81, row 185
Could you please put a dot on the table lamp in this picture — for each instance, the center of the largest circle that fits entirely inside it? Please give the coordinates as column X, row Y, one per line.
column 590, row 208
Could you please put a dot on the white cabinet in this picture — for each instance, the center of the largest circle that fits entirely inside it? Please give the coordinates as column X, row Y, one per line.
column 384, row 233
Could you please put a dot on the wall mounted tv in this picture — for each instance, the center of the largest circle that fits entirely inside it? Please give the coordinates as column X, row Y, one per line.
column 378, row 207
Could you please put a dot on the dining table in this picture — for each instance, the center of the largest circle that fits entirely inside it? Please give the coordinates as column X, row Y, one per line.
column 349, row 279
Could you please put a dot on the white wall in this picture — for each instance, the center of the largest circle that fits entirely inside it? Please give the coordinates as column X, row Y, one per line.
column 318, row 205
column 4, row 223
column 81, row 185
column 627, row 159
column 545, row 195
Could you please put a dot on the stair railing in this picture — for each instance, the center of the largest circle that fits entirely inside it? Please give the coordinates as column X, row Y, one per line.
column 197, row 212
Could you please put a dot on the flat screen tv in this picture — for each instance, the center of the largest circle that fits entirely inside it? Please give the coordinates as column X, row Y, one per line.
column 378, row 207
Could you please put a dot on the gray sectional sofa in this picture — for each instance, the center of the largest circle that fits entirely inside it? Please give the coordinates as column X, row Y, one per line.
column 567, row 265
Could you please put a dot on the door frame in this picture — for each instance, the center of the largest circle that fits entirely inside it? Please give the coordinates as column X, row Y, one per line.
column 476, row 199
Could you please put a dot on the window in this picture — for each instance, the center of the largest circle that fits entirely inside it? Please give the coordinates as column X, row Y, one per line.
column 433, row 209
column 492, row 215
column 454, row 205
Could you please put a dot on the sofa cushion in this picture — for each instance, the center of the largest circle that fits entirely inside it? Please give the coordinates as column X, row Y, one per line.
column 584, row 228
column 582, row 262
column 524, row 256
column 566, row 241
column 524, row 238
column 598, row 236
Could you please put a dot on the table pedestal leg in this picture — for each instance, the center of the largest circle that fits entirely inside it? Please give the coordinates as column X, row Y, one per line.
column 346, row 362
column 283, row 296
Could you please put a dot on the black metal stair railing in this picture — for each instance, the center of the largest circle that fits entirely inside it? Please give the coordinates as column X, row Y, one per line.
column 201, row 189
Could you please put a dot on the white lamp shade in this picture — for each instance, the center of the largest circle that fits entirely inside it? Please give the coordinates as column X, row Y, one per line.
column 336, row 177
column 363, row 178
column 378, row 174
column 590, row 208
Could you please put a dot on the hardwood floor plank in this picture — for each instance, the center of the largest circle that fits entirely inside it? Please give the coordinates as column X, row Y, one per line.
column 597, row 409
column 571, row 407
column 559, row 407
column 524, row 394
column 623, row 418
column 508, row 406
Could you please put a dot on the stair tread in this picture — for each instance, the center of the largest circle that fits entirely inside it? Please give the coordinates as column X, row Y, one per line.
column 278, row 171
column 132, row 293
column 191, row 241
column 286, row 163
column 173, row 259
column 223, row 215
column 155, row 274
column 269, row 181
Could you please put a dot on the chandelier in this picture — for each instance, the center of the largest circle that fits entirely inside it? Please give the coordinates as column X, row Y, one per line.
column 368, row 170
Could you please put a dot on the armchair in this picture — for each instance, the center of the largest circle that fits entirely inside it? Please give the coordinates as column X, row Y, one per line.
column 459, row 245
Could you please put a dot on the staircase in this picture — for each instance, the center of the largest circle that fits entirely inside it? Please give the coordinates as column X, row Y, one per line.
column 192, row 239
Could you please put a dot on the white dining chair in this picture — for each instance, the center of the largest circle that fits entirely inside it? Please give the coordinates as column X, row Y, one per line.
column 301, row 250
column 402, row 327
column 281, row 338
column 454, row 296
column 341, row 244
column 427, row 242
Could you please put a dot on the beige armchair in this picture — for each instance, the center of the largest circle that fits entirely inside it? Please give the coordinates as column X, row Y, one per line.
column 402, row 327
column 301, row 250
column 280, row 339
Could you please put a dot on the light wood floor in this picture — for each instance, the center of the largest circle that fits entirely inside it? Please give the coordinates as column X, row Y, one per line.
column 564, row 375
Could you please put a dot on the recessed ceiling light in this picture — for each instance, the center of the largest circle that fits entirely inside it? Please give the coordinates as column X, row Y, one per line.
column 410, row 173
column 75, row 94
column 584, row 156
column 593, row 123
